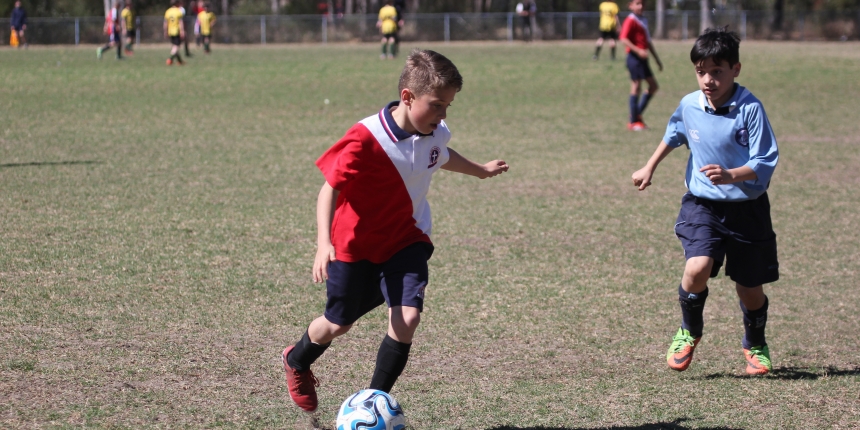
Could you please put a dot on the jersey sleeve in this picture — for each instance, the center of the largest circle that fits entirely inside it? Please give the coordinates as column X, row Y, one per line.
column 342, row 163
column 676, row 133
column 626, row 27
column 764, row 153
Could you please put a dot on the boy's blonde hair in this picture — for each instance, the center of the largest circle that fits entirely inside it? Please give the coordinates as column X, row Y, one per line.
column 426, row 71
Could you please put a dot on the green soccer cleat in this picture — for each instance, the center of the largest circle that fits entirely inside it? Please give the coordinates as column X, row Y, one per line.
column 680, row 353
column 758, row 360
column 99, row 53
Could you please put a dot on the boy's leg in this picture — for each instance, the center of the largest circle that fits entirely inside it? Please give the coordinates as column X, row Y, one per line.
column 597, row 47
column 754, row 304
column 394, row 351
column 692, row 294
column 612, row 47
column 384, row 48
column 206, row 44
column 297, row 360
column 635, row 88
column 652, row 89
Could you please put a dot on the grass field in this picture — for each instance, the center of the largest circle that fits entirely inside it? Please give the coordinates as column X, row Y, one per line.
column 157, row 233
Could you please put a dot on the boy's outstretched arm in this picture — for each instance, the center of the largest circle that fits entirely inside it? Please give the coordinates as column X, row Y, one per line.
column 642, row 177
column 460, row 164
column 325, row 212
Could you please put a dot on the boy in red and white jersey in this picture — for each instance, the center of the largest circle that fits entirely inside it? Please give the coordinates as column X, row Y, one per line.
column 637, row 38
column 374, row 222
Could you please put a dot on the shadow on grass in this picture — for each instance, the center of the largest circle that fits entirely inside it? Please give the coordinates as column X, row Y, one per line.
column 49, row 163
column 794, row 373
column 674, row 425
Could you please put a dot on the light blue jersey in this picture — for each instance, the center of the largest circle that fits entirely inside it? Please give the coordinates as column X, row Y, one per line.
column 737, row 134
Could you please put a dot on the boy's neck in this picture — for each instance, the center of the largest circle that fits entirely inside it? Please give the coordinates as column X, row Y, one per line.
column 401, row 118
column 715, row 104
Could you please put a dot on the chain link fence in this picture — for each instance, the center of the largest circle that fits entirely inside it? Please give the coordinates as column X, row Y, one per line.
column 678, row 25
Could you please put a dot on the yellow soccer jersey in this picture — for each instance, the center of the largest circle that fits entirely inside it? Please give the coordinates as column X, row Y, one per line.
column 173, row 16
column 129, row 19
column 608, row 12
column 388, row 16
column 206, row 19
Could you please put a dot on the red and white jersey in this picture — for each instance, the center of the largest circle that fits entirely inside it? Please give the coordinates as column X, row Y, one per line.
column 383, row 175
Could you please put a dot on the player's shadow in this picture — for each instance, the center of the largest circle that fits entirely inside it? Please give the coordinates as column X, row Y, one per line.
column 49, row 163
column 674, row 425
column 793, row 373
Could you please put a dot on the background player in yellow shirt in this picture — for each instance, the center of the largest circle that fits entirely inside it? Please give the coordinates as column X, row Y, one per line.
column 206, row 20
column 388, row 25
column 608, row 27
column 175, row 30
column 128, row 17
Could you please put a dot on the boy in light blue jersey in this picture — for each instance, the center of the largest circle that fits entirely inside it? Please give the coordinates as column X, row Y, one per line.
column 726, row 213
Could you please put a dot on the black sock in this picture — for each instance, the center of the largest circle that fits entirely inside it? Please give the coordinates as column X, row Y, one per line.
column 754, row 325
column 634, row 108
column 692, row 308
column 597, row 52
column 118, row 50
column 613, row 52
column 390, row 362
column 643, row 102
column 305, row 353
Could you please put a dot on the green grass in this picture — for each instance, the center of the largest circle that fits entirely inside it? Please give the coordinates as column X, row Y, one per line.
column 157, row 229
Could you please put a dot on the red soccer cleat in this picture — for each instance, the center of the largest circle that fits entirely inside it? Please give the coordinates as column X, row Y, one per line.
column 301, row 385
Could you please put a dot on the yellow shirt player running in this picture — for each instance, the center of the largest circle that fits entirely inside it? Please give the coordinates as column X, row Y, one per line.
column 206, row 20
column 128, row 16
column 608, row 27
column 388, row 25
column 174, row 29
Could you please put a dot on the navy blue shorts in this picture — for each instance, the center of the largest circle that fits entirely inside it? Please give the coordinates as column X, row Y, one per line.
column 739, row 232
column 355, row 289
column 639, row 68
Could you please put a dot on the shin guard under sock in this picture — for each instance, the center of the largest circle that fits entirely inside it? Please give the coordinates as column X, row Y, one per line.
column 304, row 353
column 754, row 325
column 390, row 362
column 692, row 309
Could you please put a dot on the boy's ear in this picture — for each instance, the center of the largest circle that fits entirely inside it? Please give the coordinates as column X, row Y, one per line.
column 736, row 69
column 406, row 97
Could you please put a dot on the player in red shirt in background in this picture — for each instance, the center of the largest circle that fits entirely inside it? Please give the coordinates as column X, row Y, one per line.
column 635, row 35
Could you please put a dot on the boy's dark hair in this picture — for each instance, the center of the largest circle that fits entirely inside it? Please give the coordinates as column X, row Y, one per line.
column 426, row 71
column 718, row 44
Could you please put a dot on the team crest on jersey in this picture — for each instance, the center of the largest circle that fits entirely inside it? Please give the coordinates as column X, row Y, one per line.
column 742, row 137
column 434, row 156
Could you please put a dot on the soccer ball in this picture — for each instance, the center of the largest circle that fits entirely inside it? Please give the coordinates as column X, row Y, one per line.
column 370, row 410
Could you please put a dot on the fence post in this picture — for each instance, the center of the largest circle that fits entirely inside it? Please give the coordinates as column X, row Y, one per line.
column 802, row 21
column 77, row 32
column 262, row 29
column 324, row 30
column 447, row 28
column 744, row 25
column 684, row 26
column 570, row 26
column 510, row 26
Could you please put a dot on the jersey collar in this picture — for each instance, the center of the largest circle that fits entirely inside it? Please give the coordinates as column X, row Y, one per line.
column 394, row 131
column 740, row 93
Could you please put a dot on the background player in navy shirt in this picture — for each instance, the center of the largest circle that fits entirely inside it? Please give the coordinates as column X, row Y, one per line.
column 726, row 212
column 19, row 23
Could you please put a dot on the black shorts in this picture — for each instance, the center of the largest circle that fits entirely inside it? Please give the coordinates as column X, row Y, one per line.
column 611, row 34
column 175, row 40
column 130, row 34
column 390, row 35
column 740, row 233
column 639, row 68
column 205, row 35
column 354, row 289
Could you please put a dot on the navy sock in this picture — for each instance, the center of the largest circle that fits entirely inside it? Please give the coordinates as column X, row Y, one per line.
column 390, row 362
column 596, row 52
column 304, row 353
column 692, row 308
column 754, row 325
column 643, row 102
column 634, row 108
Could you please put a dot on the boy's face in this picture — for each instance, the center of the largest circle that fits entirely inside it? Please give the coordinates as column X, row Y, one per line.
column 637, row 6
column 426, row 111
column 717, row 80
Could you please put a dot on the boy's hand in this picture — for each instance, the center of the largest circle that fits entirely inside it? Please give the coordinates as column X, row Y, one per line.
column 716, row 174
column 493, row 168
column 642, row 178
column 325, row 255
column 643, row 53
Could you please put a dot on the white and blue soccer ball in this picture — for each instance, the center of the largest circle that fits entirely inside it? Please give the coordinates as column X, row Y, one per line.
column 370, row 410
